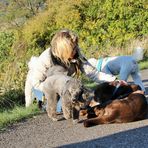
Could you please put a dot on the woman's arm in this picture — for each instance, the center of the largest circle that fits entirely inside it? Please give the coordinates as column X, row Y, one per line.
column 95, row 75
column 91, row 71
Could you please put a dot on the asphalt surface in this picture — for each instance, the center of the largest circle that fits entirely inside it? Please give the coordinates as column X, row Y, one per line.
column 41, row 132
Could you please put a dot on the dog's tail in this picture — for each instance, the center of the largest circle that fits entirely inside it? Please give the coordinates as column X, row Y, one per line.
column 138, row 53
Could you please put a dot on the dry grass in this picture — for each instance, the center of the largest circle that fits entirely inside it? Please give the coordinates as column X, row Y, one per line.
column 128, row 49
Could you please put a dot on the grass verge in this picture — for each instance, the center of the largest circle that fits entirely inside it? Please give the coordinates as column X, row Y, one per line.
column 8, row 117
column 143, row 64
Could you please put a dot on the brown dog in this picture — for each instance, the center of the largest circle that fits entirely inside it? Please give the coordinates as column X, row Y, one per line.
column 108, row 91
column 131, row 108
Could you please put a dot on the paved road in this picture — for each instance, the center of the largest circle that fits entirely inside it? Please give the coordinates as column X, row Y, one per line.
column 41, row 132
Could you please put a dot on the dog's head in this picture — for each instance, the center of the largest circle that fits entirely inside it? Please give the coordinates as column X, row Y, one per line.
column 56, row 69
column 74, row 90
column 103, row 92
column 99, row 110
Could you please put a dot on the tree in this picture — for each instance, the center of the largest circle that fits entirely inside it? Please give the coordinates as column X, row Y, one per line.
column 15, row 12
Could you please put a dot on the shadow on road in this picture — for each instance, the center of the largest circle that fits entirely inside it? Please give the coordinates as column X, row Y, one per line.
column 134, row 138
column 144, row 81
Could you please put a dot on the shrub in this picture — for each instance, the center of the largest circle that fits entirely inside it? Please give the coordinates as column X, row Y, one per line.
column 11, row 98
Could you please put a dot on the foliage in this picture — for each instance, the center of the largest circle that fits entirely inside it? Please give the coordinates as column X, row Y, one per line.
column 11, row 98
column 143, row 64
column 15, row 12
column 6, row 41
column 99, row 24
column 113, row 23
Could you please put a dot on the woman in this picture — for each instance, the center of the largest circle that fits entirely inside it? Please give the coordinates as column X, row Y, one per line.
column 65, row 52
column 119, row 65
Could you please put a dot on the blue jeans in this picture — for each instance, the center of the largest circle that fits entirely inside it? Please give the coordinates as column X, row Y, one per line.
column 38, row 95
column 59, row 106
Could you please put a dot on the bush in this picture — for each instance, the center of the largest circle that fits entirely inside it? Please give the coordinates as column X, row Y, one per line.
column 6, row 41
column 11, row 98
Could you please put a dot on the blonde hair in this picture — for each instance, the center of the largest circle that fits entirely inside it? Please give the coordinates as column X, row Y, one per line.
column 63, row 43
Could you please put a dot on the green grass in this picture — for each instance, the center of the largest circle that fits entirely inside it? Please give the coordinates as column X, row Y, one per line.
column 18, row 113
column 143, row 64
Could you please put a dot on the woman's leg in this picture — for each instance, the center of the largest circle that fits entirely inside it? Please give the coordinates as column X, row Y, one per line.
column 137, row 79
column 124, row 73
column 39, row 96
column 59, row 106
column 136, row 75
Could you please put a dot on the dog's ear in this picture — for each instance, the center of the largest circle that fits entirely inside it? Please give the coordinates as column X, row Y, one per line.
column 88, row 94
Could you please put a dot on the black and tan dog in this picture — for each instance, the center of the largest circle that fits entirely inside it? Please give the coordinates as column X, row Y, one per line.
column 113, row 90
column 107, row 91
column 123, row 105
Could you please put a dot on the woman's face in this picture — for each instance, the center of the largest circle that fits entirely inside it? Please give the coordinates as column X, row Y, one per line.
column 73, row 53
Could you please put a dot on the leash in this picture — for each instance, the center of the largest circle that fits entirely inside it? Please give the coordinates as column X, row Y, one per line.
column 121, row 96
column 99, row 64
column 118, row 85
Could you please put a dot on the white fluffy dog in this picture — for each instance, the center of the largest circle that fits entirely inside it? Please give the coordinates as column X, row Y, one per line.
column 36, row 75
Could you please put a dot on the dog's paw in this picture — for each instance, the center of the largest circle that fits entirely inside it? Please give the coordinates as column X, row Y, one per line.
column 86, row 123
column 54, row 119
column 75, row 121
column 83, row 112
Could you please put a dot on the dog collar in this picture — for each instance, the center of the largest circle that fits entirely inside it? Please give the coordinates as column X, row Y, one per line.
column 118, row 85
column 99, row 64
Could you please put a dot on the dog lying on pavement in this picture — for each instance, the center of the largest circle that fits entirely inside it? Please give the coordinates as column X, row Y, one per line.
column 108, row 91
column 128, row 109
column 129, row 105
